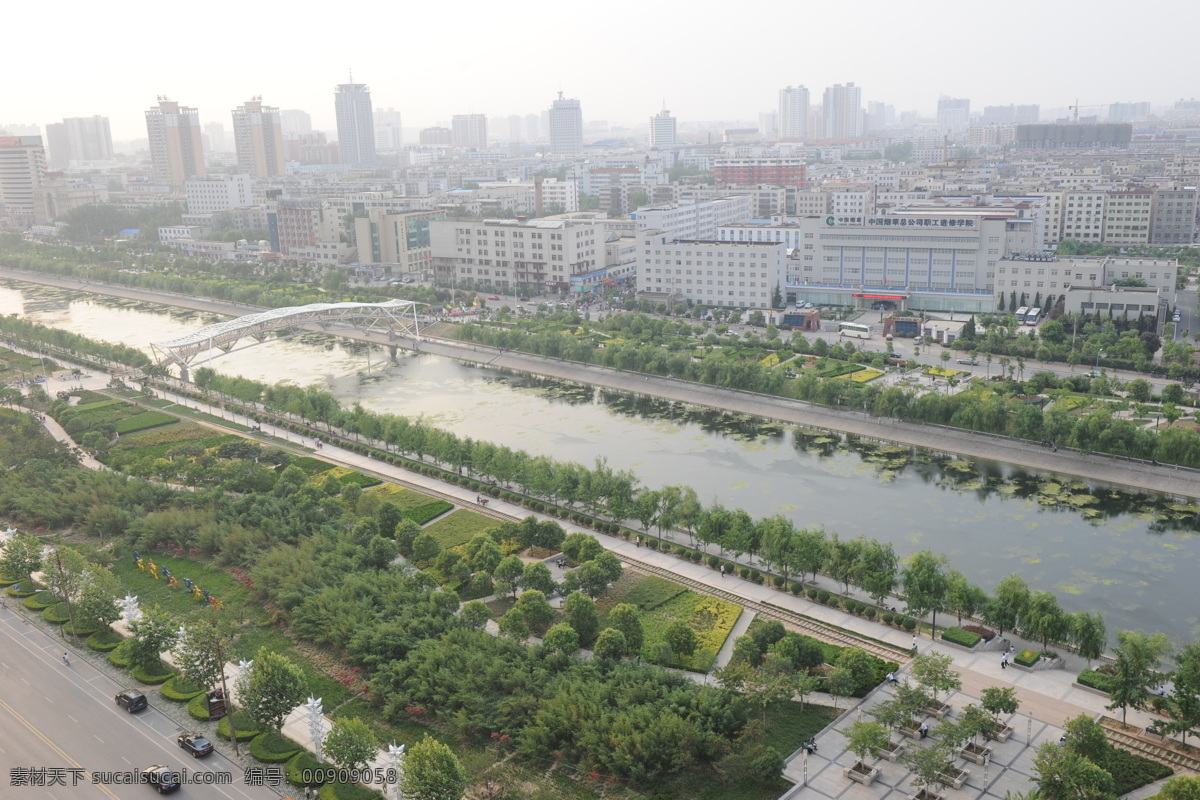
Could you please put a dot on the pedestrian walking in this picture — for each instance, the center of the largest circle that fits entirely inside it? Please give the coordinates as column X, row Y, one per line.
column 1004, row 661
column 66, row 659
column 722, row 570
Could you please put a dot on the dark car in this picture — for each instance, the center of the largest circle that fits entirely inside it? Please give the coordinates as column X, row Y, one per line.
column 131, row 700
column 162, row 778
column 195, row 744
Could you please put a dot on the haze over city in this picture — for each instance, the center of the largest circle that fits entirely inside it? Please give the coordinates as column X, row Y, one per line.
column 622, row 59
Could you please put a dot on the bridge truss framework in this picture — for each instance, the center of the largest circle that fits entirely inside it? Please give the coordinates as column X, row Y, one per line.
column 398, row 317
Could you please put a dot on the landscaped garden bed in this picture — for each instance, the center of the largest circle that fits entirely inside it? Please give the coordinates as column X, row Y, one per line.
column 961, row 637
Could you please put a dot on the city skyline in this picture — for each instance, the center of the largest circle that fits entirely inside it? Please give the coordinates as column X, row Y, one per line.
column 910, row 71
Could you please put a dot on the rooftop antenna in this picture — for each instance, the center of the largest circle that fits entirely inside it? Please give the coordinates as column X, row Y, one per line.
column 352, row 74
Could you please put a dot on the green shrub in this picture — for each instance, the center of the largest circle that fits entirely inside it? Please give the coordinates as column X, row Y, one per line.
column 680, row 551
column 888, row 618
column 822, row 596
column 243, row 723
column 348, row 791
column 910, row 624
column 27, row 588
column 812, row 592
column 959, row 636
column 56, row 614
column 1130, row 771
column 758, row 577
column 104, row 641
column 40, row 601
column 273, row 748
column 652, row 544
column 177, row 689
column 153, row 676
column 80, row 629
column 198, row 707
column 427, row 511
column 1027, row 658
column 777, row 581
column 119, row 656
column 743, row 572
column 869, row 612
column 303, row 763
column 796, row 588
column 1097, row 680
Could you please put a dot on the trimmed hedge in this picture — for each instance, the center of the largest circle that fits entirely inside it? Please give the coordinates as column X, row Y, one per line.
column 39, row 601
column 1027, row 658
column 298, row 764
column 198, row 707
column 348, row 791
column 119, row 657
column 56, row 614
column 104, row 641
column 247, row 728
column 177, row 688
column 1097, row 680
column 80, row 629
column 153, row 676
column 273, row 748
column 28, row 588
column 962, row 637
column 1129, row 771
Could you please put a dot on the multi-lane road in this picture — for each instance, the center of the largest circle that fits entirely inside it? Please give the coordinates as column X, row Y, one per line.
column 60, row 730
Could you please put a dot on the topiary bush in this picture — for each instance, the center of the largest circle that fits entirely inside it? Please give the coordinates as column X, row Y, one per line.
column 40, row 600
column 348, row 791
column 822, row 596
column 243, row 723
column 910, row 624
column 888, row 618
column 56, row 614
column 758, row 577
column 198, row 707
column 796, row 588
column 27, row 589
column 777, row 581
column 104, row 641
column 961, row 637
column 302, row 764
column 119, row 656
column 273, row 748
column 160, row 673
column 177, row 689
column 80, row 629
column 869, row 612
column 713, row 562
column 812, row 592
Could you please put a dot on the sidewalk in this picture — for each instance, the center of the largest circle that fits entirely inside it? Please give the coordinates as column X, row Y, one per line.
column 1047, row 698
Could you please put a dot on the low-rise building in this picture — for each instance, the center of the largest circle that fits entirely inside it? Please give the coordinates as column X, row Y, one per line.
column 710, row 272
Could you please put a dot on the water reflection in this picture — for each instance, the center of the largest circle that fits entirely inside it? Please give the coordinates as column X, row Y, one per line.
column 1088, row 543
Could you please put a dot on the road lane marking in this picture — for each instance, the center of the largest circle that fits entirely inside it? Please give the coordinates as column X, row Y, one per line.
column 74, row 720
column 29, row 726
column 27, row 683
column 48, row 700
column 97, row 738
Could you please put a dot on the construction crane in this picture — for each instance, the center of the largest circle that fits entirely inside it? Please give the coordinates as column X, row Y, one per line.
column 1075, row 109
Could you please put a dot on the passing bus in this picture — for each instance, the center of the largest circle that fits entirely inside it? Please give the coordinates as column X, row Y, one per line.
column 854, row 330
column 1021, row 314
column 1033, row 316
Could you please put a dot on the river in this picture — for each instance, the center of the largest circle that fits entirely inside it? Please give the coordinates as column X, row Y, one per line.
column 1130, row 556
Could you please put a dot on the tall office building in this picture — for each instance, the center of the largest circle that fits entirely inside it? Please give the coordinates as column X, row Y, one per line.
column 296, row 123
column 953, row 114
column 355, row 124
column 469, row 130
column 79, row 139
column 176, row 152
column 793, row 113
column 389, row 134
column 566, row 126
column 842, row 109
column 22, row 167
column 258, row 137
column 663, row 129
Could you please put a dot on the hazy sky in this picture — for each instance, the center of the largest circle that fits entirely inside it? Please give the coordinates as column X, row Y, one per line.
column 715, row 61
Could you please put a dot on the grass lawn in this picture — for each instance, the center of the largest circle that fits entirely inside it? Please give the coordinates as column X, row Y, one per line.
column 459, row 527
column 319, row 684
column 406, row 731
column 650, row 592
column 178, row 602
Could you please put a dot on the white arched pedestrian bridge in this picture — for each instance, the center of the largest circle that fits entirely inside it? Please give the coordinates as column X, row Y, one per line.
column 398, row 317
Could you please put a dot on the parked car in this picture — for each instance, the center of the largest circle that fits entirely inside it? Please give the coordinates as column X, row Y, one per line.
column 132, row 700
column 195, row 744
column 162, row 778
column 970, row 362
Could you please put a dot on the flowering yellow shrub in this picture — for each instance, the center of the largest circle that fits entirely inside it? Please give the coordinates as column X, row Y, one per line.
column 863, row 375
column 712, row 620
column 770, row 360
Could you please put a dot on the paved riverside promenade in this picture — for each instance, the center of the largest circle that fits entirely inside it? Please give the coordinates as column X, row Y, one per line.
column 1095, row 467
